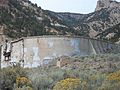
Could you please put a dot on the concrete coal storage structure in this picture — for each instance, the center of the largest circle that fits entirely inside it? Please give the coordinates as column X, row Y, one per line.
column 39, row 50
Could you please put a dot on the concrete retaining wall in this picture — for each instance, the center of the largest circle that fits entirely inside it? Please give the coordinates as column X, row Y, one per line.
column 35, row 51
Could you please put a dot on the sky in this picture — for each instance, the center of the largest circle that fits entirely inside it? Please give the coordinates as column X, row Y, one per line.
column 73, row 6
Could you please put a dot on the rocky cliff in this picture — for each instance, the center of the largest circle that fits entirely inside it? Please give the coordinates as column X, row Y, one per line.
column 102, row 4
column 106, row 16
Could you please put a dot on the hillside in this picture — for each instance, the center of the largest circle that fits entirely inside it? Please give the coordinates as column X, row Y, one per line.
column 112, row 33
column 105, row 16
column 21, row 18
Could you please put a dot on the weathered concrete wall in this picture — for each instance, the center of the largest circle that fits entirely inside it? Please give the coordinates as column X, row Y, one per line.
column 36, row 51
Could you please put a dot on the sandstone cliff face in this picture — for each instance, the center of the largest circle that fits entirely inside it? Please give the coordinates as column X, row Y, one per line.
column 102, row 4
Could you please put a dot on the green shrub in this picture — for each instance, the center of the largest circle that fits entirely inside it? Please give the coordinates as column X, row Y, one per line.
column 41, row 82
column 57, row 74
column 8, row 77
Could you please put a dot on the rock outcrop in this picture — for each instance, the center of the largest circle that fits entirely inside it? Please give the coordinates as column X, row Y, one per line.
column 102, row 4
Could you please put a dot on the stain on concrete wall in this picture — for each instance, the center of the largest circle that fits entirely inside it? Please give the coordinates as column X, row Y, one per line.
column 17, row 51
column 36, row 51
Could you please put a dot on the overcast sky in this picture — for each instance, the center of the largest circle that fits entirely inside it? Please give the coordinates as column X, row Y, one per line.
column 75, row 6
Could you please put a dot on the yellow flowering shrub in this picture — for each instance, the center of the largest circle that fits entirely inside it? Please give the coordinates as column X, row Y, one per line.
column 67, row 84
column 115, row 76
column 22, row 81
